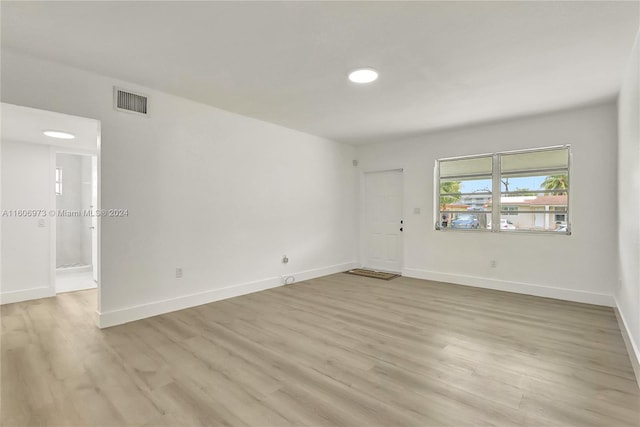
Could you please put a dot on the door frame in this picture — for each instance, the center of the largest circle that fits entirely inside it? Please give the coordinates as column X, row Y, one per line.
column 54, row 150
column 362, row 214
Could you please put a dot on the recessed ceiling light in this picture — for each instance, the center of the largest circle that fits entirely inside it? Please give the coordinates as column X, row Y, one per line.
column 59, row 134
column 363, row 75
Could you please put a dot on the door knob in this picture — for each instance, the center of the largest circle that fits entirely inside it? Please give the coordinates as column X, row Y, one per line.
column 401, row 228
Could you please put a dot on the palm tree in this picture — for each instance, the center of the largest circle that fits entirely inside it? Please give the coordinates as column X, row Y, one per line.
column 556, row 182
column 452, row 188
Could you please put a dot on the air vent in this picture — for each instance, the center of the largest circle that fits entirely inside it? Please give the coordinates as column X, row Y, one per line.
column 130, row 102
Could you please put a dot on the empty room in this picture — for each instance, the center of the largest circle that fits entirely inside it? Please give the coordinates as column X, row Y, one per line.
column 320, row 213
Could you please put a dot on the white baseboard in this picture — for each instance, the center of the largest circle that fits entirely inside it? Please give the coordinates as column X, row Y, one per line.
column 74, row 279
column 130, row 314
column 25, row 295
column 73, row 270
column 74, row 286
column 629, row 342
column 516, row 287
column 324, row 271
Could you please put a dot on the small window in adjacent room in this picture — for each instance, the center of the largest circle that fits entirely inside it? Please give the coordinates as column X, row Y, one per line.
column 524, row 190
column 58, row 181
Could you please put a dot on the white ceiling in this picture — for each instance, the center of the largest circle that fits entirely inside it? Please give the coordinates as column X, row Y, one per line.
column 441, row 64
column 22, row 124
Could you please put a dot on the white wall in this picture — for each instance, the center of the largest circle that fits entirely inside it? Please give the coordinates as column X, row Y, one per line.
column 580, row 267
column 628, row 292
column 26, row 251
column 73, row 236
column 221, row 195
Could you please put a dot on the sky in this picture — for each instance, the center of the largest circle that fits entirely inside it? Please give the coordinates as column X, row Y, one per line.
column 530, row 182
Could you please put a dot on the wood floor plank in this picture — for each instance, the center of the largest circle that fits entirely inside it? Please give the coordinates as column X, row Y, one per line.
column 340, row 350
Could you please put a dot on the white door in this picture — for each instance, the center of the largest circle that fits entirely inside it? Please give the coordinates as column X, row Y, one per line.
column 383, row 221
column 538, row 220
column 94, row 218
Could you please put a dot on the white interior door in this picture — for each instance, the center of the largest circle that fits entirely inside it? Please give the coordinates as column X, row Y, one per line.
column 383, row 219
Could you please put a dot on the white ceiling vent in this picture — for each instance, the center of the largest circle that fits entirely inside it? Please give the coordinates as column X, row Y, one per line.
column 130, row 102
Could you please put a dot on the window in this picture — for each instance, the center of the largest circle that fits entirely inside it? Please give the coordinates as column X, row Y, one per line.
column 519, row 190
column 58, row 182
column 510, row 210
column 465, row 190
column 560, row 217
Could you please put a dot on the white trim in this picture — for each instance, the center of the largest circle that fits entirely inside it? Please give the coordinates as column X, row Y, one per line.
column 26, row 294
column 73, row 270
column 76, row 151
column 130, row 314
column 324, row 271
column 77, row 287
column 98, row 267
column 67, row 279
column 629, row 342
column 516, row 287
column 53, row 220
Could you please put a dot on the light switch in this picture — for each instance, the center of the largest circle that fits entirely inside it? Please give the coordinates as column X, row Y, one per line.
column 416, row 211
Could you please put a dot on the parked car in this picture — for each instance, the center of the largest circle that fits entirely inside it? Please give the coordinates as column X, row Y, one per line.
column 505, row 224
column 465, row 221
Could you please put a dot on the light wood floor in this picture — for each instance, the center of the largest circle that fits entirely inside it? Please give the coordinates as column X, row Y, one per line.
column 337, row 351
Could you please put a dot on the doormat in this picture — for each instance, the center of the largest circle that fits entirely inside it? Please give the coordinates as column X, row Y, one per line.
column 372, row 274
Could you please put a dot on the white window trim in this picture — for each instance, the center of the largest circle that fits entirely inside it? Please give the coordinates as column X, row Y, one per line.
column 497, row 189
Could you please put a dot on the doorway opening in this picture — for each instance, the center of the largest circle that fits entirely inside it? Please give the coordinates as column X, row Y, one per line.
column 76, row 224
column 50, row 199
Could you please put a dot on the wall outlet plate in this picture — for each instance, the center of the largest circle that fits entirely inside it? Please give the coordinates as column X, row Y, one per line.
column 178, row 273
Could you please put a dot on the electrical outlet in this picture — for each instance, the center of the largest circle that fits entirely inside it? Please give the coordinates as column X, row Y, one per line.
column 285, row 259
column 178, row 273
column 493, row 263
column 288, row 280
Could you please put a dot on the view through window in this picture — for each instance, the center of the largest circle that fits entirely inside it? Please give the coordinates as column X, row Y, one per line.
column 518, row 191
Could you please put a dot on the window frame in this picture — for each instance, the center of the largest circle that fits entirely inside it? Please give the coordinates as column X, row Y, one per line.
column 496, row 176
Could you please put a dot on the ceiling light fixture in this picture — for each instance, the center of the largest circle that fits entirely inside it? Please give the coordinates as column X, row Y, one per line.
column 59, row 134
column 363, row 75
